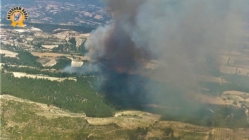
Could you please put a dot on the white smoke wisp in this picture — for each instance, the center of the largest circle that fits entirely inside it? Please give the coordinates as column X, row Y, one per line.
column 84, row 70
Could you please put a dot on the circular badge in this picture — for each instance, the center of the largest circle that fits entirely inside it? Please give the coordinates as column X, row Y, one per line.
column 17, row 15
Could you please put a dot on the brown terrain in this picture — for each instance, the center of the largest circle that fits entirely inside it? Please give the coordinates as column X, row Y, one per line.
column 132, row 120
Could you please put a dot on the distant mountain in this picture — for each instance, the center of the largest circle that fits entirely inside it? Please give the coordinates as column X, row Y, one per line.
column 30, row 2
column 65, row 12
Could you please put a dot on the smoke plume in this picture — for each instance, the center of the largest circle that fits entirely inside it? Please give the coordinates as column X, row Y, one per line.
column 184, row 38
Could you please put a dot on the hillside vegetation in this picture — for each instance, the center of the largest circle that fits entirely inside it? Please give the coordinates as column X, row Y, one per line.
column 70, row 95
column 22, row 120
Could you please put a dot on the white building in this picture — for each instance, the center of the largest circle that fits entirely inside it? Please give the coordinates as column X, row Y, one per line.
column 75, row 63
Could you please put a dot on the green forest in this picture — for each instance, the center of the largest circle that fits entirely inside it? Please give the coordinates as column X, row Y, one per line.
column 62, row 62
column 70, row 95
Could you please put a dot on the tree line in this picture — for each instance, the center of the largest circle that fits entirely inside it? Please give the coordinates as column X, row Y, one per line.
column 70, row 95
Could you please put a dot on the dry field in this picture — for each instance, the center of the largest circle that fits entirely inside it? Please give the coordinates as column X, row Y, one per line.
column 55, row 55
column 231, row 62
column 232, row 70
column 50, row 63
column 237, row 96
column 43, row 109
column 223, row 134
column 227, row 98
column 8, row 53
column 241, row 134
column 127, row 119
column 21, row 74
column 212, row 79
column 47, row 61
column 183, row 126
column 235, row 61
column 209, row 99
column 48, row 54
column 49, row 46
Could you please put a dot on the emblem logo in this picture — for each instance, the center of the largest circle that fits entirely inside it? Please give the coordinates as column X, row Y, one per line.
column 17, row 15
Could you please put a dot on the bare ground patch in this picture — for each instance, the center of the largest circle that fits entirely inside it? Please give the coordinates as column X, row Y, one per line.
column 236, row 96
column 55, row 55
column 48, row 54
column 8, row 53
column 21, row 74
column 50, row 63
column 233, row 70
column 127, row 119
column 43, row 109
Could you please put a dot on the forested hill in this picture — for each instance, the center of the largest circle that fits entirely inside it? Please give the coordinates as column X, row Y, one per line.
column 70, row 95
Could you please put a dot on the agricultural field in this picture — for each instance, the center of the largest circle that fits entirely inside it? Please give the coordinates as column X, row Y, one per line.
column 33, row 76
column 56, row 55
column 223, row 134
column 8, row 53
column 232, row 97
column 235, row 62
column 230, row 86
column 241, row 134
column 47, row 62
column 49, row 54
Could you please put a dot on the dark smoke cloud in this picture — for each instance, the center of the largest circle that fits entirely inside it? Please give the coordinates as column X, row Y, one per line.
column 185, row 37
